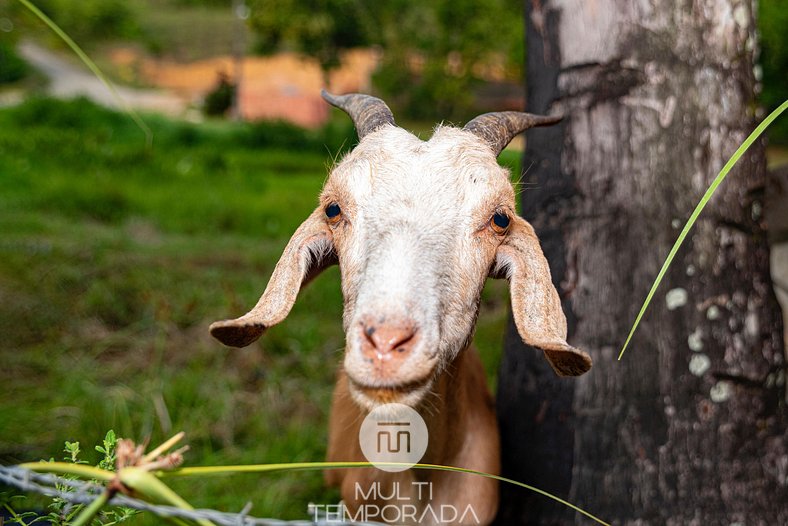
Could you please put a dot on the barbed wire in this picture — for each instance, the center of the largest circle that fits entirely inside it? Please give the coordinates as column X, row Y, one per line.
column 78, row 492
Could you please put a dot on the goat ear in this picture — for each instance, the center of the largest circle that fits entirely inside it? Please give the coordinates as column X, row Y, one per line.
column 536, row 306
column 310, row 250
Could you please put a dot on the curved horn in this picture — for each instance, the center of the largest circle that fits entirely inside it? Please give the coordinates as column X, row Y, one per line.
column 368, row 113
column 499, row 128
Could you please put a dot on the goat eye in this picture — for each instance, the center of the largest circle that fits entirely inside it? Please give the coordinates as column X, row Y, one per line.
column 500, row 222
column 333, row 211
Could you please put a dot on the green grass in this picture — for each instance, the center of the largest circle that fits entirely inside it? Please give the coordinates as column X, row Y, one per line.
column 115, row 257
column 762, row 126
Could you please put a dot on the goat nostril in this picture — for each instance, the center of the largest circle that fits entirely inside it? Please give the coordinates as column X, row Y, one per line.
column 381, row 340
column 402, row 342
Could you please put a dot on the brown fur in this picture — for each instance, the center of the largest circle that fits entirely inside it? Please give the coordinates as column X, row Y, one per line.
column 415, row 242
column 460, row 417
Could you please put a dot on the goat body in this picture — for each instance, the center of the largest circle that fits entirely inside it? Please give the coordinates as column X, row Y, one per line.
column 416, row 228
column 460, row 417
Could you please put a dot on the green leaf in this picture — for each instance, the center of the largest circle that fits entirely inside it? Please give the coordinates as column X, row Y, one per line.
column 149, row 485
column 72, row 449
column 698, row 209
column 64, row 468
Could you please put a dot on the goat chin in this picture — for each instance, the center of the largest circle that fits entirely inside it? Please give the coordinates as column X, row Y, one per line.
column 370, row 397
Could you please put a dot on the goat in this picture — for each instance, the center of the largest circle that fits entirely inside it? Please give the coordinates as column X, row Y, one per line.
column 416, row 228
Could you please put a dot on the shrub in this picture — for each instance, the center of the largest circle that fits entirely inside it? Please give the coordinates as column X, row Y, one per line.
column 221, row 98
column 92, row 19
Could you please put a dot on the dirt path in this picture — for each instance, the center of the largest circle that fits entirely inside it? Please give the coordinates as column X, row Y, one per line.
column 67, row 80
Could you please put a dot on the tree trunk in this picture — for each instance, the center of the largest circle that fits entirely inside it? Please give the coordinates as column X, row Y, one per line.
column 690, row 426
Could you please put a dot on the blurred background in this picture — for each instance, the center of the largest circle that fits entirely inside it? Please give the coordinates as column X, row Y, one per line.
column 116, row 255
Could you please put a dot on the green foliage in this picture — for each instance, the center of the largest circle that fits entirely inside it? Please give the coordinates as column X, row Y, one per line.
column 72, row 453
column 9, row 503
column 89, row 20
column 452, row 42
column 107, row 449
column 319, row 28
column 12, row 67
column 773, row 25
column 434, row 52
column 220, row 99
column 61, row 512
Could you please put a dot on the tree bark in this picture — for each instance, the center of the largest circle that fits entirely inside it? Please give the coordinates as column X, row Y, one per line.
column 690, row 426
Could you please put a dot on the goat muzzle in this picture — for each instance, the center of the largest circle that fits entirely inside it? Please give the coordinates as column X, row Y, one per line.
column 383, row 343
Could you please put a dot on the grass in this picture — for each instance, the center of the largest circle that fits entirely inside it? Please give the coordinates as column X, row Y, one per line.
column 114, row 259
column 697, row 211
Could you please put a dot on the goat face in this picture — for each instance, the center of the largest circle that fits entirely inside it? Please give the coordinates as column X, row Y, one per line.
column 416, row 228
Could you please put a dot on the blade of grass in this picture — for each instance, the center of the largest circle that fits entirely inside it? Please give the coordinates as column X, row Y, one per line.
column 93, row 68
column 698, row 209
column 145, row 483
column 65, row 468
column 316, row 466
column 87, row 514
column 164, row 447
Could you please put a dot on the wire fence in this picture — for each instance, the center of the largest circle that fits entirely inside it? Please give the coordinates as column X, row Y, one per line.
column 77, row 492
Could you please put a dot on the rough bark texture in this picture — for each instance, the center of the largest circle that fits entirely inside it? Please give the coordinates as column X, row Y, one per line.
column 690, row 427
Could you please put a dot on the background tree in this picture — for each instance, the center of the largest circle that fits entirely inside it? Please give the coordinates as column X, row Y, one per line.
column 433, row 53
column 319, row 28
column 448, row 48
column 690, row 427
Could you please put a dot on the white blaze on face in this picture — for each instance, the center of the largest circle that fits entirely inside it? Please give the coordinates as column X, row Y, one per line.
column 412, row 245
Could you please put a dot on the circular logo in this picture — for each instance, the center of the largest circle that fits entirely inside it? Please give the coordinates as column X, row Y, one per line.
column 393, row 433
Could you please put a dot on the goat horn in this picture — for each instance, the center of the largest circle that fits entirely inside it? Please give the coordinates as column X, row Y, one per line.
column 368, row 113
column 498, row 129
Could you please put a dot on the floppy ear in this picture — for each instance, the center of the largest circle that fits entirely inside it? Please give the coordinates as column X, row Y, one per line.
column 536, row 306
column 310, row 250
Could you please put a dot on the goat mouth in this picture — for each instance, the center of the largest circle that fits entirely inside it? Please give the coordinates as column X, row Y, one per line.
column 408, row 393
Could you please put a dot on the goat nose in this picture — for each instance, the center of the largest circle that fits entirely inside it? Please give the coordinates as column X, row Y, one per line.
column 387, row 341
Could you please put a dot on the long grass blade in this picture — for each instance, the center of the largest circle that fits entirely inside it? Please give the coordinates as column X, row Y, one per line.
column 151, row 456
column 93, row 509
column 698, row 209
column 93, row 68
column 141, row 481
column 316, row 466
column 66, row 468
